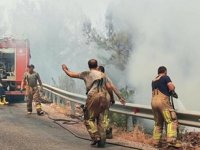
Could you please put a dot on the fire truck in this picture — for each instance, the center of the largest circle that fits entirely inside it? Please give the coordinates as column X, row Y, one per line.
column 14, row 58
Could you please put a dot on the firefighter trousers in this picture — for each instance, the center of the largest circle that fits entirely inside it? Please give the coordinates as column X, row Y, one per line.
column 32, row 94
column 96, row 126
column 96, row 115
column 163, row 113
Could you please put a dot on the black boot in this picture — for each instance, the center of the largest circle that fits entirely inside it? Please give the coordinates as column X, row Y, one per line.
column 40, row 113
column 95, row 141
column 101, row 143
column 109, row 133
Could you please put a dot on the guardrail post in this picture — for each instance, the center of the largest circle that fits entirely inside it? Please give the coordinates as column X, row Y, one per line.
column 61, row 102
column 46, row 95
column 72, row 105
column 58, row 100
column 129, row 123
column 54, row 98
column 51, row 97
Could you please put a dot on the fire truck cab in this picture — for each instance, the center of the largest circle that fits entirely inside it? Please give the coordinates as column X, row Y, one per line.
column 14, row 58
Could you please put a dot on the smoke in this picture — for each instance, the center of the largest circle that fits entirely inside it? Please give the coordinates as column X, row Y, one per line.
column 163, row 32
column 54, row 29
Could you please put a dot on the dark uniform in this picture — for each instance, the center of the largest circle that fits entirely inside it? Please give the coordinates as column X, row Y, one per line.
column 163, row 110
column 2, row 94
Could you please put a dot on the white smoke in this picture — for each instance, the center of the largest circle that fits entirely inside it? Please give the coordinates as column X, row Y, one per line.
column 54, row 29
column 164, row 32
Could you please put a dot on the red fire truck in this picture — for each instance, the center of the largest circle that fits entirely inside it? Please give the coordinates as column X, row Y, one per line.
column 14, row 58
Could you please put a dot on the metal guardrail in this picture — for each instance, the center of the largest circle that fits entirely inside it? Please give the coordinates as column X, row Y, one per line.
column 57, row 95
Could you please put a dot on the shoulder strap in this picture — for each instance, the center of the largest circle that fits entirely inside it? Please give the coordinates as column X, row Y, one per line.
column 27, row 77
column 99, row 83
column 91, row 86
column 37, row 75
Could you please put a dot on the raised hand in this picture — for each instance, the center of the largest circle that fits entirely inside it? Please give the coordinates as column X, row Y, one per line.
column 64, row 67
column 122, row 101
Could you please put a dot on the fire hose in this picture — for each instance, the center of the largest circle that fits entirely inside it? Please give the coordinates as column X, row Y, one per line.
column 174, row 95
column 70, row 122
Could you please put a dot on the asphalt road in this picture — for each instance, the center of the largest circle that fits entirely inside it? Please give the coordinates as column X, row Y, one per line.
column 19, row 131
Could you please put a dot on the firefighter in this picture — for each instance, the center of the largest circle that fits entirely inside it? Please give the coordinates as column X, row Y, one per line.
column 2, row 94
column 120, row 97
column 99, row 95
column 163, row 110
column 31, row 78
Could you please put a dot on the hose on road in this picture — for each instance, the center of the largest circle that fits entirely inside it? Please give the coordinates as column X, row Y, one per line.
column 70, row 122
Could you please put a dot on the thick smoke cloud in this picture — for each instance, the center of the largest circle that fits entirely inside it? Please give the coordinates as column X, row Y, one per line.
column 164, row 32
column 54, row 29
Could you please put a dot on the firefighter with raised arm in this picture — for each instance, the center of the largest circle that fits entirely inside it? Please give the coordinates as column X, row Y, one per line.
column 163, row 111
column 31, row 80
column 99, row 95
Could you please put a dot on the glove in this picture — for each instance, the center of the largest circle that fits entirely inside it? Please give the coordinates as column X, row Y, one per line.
column 112, row 101
column 174, row 94
column 122, row 101
column 21, row 90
